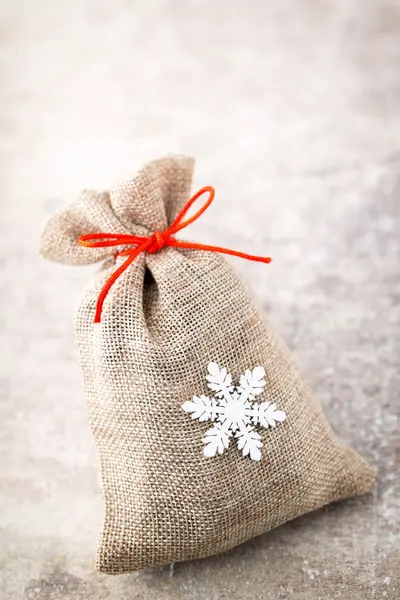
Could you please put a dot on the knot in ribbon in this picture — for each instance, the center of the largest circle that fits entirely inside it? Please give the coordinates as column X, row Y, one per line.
column 154, row 243
column 158, row 242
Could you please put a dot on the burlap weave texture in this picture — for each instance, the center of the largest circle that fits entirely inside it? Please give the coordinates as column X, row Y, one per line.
column 164, row 320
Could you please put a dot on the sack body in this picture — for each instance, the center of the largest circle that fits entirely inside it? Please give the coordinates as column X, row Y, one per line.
column 169, row 316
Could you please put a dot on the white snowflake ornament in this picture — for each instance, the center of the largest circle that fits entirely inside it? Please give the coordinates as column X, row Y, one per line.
column 234, row 411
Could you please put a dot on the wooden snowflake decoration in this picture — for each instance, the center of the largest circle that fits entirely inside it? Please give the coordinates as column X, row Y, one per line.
column 234, row 411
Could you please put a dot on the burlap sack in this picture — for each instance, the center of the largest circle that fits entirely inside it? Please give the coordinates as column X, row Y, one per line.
column 165, row 319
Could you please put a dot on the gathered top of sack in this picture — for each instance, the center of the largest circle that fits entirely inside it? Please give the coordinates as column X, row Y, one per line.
column 208, row 433
column 148, row 202
column 150, row 243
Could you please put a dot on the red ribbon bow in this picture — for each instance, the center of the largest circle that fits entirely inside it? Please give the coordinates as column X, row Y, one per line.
column 154, row 243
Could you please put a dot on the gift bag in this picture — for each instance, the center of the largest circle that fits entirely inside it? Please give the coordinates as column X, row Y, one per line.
column 207, row 432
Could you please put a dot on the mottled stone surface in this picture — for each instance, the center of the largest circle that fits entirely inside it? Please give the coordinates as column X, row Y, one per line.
column 293, row 112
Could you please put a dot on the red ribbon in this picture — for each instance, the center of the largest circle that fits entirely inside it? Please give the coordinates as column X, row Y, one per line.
column 154, row 243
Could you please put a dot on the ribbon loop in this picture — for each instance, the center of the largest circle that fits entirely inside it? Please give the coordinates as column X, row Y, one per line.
column 155, row 243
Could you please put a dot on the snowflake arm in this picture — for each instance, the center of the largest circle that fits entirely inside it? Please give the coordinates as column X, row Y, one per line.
column 266, row 415
column 201, row 407
column 216, row 440
column 249, row 441
column 219, row 381
column 252, row 382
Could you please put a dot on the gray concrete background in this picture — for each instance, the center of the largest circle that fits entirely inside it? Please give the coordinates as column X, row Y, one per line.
column 292, row 110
